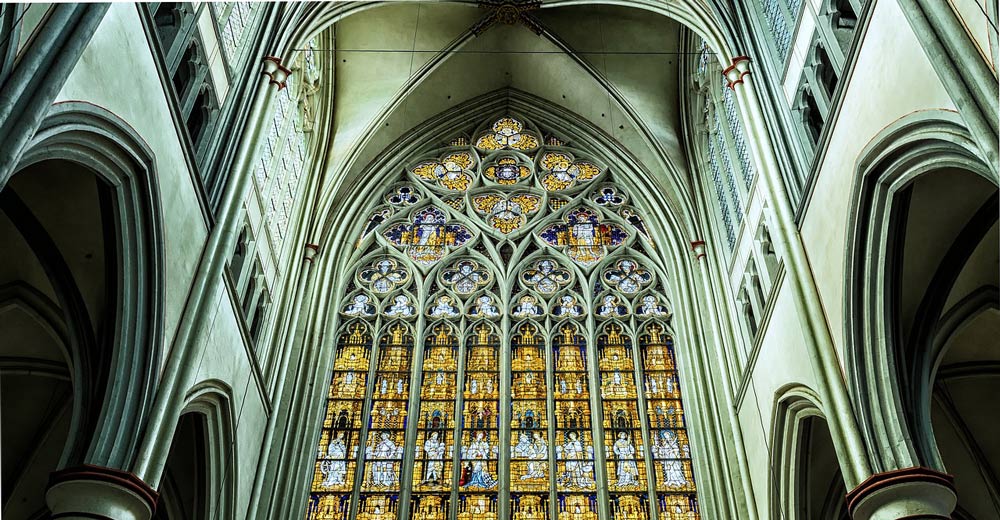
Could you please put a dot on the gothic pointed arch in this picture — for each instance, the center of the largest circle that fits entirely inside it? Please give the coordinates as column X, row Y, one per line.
column 903, row 358
column 504, row 346
column 118, row 376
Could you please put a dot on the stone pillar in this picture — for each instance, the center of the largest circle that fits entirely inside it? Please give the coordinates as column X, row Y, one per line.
column 39, row 75
column 221, row 241
column 89, row 492
column 911, row 493
column 830, row 380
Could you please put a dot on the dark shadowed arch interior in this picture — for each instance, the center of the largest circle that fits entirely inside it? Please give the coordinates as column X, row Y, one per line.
column 184, row 489
column 57, row 313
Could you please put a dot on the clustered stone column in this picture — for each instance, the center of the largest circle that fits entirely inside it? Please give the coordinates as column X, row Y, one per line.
column 88, row 491
column 911, row 493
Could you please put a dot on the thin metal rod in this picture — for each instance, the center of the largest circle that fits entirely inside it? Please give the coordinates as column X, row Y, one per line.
column 432, row 51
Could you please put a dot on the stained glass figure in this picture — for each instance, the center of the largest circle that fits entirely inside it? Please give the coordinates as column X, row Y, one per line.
column 568, row 307
column 383, row 276
column 529, row 425
column 484, row 306
column 506, row 213
column 529, row 507
column 679, row 507
column 359, row 306
column 560, row 171
column 632, row 217
column 507, row 171
column 328, row 507
column 527, row 307
column 333, row 477
column 450, row 172
column 374, row 221
column 652, row 308
column 480, row 447
column 427, row 239
column 387, row 421
column 546, row 276
column 575, row 448
column 378, row 507
column 477, row 507
column 444, row 307
column 625, row 457
column 583, row 237
column 670, row 450
column 402, row 196
column 432, row 464
column 629, row 507
column 611, row 307
column 608, row 196
column 466, row 277
column 507, row 132
column 400, row 307
column 430, row 507
column 627, row 276
column 577, row 507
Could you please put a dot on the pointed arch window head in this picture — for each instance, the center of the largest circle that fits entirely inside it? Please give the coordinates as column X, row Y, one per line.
column 506, row 334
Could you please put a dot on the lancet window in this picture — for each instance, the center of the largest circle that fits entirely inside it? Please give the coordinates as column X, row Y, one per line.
column 506, row 348
column 723, row 144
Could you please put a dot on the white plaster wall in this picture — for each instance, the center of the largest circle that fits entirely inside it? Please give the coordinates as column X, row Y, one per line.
column 892, row 78
column 117, row 72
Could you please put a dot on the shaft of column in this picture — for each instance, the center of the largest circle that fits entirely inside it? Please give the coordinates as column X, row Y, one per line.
column 826, row 364
column 180, row 366
column 698, row 248
column 40, row 74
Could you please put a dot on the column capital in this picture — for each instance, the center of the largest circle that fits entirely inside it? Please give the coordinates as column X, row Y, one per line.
column 698, row 248
column 736, row 71
column 311, row 251
column 276, row 73
column 904, row 493
column 89, row 491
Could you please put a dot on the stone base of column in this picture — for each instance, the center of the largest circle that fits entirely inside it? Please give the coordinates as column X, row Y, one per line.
column 93, row 492
column 905, row 494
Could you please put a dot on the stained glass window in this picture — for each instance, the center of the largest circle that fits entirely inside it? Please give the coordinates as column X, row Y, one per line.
column 727, row 157
column 498, row 357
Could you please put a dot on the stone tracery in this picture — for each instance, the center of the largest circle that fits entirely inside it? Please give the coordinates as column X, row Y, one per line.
column 506, row 365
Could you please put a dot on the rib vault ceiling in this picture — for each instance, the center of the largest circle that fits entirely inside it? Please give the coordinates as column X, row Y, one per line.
column 399, row 64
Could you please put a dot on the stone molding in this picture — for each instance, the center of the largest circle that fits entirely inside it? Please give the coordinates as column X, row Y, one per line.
column 735, row 72
column 276, row 73
column 908, row 493
column 89, row 491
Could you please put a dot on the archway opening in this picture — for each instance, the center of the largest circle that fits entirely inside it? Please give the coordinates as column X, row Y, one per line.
column 57, row 300
column 819, row 490
column 184, row 486
column 946, row 320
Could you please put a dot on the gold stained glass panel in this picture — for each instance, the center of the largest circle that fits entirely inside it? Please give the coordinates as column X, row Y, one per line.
column 670, row 450
column 478, row 469
column 529, row 433
column 629, row 507
column 432, row 465
column 336, row 461
column 529, row 507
